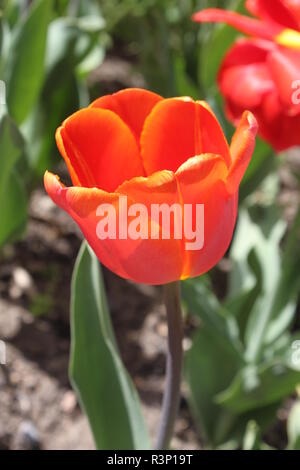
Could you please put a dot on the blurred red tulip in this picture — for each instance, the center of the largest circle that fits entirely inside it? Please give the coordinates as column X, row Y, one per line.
column 262, row 74
column 153, row 151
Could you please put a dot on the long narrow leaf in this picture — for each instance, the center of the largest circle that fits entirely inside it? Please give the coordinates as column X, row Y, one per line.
column 105, row 390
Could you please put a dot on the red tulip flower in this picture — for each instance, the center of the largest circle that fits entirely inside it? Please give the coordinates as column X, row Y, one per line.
column 151, row 150
column 262, row 74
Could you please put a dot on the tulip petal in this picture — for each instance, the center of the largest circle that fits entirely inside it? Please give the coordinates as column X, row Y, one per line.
column 83, row 201
column 178, row 129
column 246, row 51
column 276, row 127
column 81, row 204
column 203, row 169
column 241, row 148
column 284, row 65
column 277, row 11
column 149, row 261
column 99, row 149
column 294, row 7
column 132, row 105
column 244, row 77
column 160, row 260
column 253, row 7
column 201, row 181
column 242, row 23
column 254, row 78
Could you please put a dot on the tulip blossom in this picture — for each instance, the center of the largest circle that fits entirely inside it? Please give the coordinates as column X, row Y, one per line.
column 152, row 151
column 262, row 73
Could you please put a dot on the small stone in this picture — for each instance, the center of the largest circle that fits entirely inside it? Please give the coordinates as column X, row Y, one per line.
column 14, row 378
column 21, row 283
column 68, row 402
column 22, row 279
column 187, row 344
column 24, row 403
column 163, row 330
column 27, row 436
column 15, row 292
column 30, row 382
column 10, row 320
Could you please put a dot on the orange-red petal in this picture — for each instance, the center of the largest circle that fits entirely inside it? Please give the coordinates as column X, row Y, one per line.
column 162, row 259
column 241, row 148
column 99, row 149
column 245, row 68
column 284, row 66
column 285, row 13
column 178, row 129
column 132, row 105
column 242, row 23
column 202, row 180
column 81, row 204
column 151, row 261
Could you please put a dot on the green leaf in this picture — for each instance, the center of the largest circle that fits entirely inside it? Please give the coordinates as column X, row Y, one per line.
column 5, row 42
column 73, row 48
column 293, row 427
column 256, row 387
column 201, row 301
column 256, row 278
column 209, row 368
column 252, row 437
column 71, row 40
column 213, row 361
column 25, row 65
column 58, row 100
column 262, row 163
column 288, row 288
column 183, row 83
column 105, row 390
column 13, row 205
column 275, row 312
column 13, row 209
column 11, row 146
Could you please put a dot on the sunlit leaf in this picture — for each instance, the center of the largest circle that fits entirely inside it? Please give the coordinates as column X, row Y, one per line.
column 255, row 387
column 25, row 65
column 105, row 390
column 13, row 201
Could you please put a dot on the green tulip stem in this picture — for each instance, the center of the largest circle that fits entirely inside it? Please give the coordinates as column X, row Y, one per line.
column 174, row 364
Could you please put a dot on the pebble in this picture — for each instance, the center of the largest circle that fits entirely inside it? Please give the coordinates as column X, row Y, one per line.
column 68, row 402
column 27, row 436
column 22, row 283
